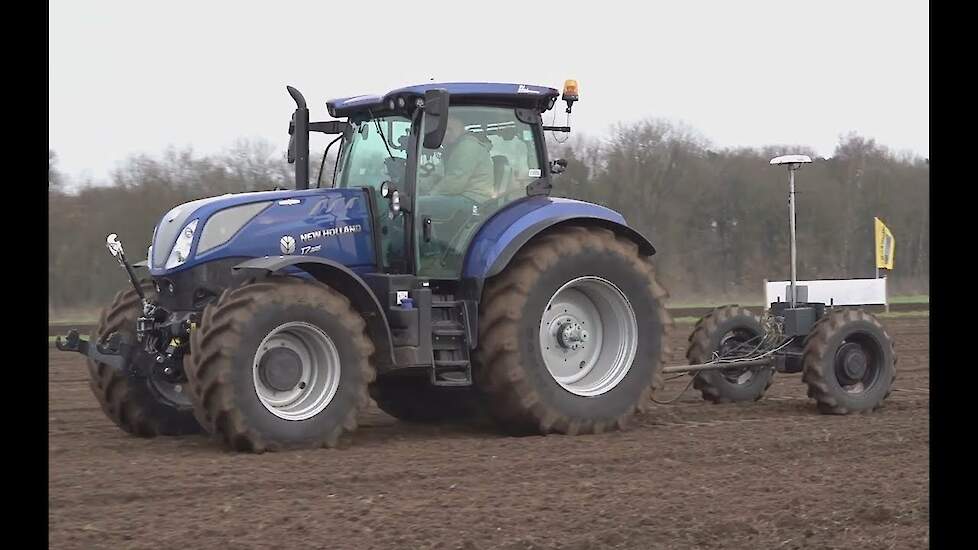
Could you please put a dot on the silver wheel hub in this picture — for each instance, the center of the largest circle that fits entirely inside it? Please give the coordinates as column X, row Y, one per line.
column 296, row 371
column 588, row 336
column 571, row 335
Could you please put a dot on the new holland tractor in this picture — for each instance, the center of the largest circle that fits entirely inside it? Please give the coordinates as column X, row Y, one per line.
column 434, row 273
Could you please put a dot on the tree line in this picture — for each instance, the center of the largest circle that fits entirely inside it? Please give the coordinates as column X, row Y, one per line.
column 718, row 217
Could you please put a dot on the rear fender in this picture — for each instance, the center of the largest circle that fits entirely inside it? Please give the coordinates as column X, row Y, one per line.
column 509, row 230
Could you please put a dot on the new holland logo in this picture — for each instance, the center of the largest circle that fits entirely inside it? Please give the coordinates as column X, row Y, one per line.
column 287, row 244
column 331, row 232
column 524, row 90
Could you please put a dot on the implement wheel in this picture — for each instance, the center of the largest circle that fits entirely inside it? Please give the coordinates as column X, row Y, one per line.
column 849, row 362
column 729, row 332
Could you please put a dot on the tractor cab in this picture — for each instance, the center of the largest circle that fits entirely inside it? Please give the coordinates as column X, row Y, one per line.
column 438, row 160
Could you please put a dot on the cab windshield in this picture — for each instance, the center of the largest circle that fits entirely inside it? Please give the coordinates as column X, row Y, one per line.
column 367, row 161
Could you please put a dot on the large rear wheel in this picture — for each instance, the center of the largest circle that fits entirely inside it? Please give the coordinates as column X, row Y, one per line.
column 571, row 334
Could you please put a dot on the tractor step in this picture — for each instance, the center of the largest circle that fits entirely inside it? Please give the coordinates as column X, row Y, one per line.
column 451, row 373
column 445, row 329
column 451, row 365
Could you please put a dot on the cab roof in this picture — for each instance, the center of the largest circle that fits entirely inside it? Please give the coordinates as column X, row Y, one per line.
column 528, row 96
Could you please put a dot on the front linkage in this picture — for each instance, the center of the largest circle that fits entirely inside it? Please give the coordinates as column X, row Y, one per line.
column 162, row 336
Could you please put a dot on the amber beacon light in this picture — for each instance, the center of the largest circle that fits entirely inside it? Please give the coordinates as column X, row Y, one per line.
column 570, row 93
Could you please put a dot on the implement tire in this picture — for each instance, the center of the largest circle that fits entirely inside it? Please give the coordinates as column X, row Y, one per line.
column 716, row 332
column 571, row 334
column 849, row 362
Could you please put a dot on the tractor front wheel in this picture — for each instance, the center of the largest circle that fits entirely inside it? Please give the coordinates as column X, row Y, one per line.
column 280, row 363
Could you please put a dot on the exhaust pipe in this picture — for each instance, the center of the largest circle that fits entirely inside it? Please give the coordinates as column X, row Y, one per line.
column 299, row 142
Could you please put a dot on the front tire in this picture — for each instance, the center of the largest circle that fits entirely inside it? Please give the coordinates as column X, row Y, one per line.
column 280, row 363
column 142, row 406
column 588, row 296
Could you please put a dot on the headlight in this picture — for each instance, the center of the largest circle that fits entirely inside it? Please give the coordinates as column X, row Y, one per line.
column 181, row 249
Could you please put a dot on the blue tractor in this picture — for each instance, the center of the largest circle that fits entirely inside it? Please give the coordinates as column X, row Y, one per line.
column 435, row 273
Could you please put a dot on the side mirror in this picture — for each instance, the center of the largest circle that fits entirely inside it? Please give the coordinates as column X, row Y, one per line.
column 290, row 156
column 435, row 117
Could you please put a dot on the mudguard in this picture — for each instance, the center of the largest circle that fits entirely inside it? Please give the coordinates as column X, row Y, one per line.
column 501, row 237
column 346, row 282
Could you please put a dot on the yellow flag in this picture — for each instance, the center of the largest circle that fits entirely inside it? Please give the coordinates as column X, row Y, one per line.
column 884, row 246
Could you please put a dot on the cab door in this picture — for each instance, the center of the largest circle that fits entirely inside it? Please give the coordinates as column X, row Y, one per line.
column 485, row 162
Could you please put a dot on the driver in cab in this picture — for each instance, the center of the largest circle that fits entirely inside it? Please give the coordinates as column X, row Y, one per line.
column 467, row 168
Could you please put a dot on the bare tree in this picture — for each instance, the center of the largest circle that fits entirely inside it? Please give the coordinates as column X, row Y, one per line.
column 718, row 217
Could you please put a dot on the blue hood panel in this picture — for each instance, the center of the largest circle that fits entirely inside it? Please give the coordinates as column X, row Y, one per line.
column 328, row 223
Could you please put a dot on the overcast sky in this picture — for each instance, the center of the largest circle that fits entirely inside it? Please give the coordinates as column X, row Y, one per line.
column 130, row 77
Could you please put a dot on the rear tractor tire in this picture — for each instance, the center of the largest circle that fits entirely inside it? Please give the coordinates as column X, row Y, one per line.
column 848, row 362
column 280, row 363
column 142, row 406
column 728, row 331
column 571, row 334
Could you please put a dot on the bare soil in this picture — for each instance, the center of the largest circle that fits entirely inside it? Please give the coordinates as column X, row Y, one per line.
column 770, row 474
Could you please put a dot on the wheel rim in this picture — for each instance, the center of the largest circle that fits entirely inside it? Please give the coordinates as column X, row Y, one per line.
column 296, row 371
column 736, row 344
column 857, row 363
column 588, row 336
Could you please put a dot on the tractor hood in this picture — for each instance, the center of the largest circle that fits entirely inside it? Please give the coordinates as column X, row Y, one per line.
column 334, row 223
